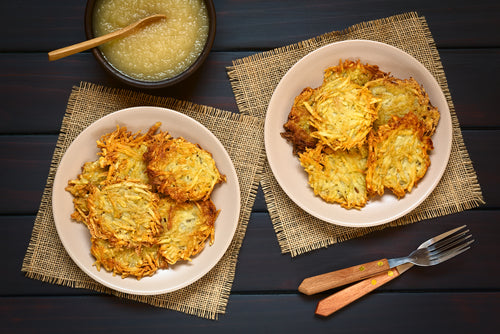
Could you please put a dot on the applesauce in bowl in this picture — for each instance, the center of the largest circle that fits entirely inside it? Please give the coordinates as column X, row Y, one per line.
column 160, row 54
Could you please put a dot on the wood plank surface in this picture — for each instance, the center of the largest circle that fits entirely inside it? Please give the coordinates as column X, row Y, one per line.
column 458, row 296
column 262, row 268
column 261, row 24
column 48, row 86
column 464, row 312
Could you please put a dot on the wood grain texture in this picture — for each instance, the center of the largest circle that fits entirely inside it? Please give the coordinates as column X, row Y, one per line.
column 333, row 279
column 262, row 269
column 257, row 314
column 348, row 295
column 48, row 85
column 261, row 24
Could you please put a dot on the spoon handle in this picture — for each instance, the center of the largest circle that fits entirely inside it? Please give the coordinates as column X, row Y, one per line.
column 82, row 46
column 92, row 43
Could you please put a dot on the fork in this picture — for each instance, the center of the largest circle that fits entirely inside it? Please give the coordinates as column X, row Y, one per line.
column 431, row 252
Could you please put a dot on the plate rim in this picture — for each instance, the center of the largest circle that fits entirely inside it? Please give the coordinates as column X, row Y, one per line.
column 445, row 117
column 120, row 117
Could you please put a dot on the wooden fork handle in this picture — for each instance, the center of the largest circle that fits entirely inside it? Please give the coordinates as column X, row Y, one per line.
column 323, row 282
column 338, row 300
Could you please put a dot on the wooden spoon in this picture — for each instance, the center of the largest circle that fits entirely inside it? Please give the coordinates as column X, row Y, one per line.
column 92, row 43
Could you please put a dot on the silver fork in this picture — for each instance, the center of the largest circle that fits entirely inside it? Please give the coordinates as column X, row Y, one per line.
column 433, row 251
column 437, row 249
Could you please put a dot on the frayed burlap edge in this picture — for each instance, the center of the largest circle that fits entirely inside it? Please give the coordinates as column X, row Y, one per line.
column 334, row 234
column 44, row 220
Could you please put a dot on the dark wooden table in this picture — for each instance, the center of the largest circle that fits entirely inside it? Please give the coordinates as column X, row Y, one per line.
column 459, row 296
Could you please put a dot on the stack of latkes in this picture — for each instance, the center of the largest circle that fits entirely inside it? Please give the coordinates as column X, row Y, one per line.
column 146, row 201
column 361, row 132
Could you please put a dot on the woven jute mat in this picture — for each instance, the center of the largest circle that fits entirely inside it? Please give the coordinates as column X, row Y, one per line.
column 241, row 135
column 297, row 231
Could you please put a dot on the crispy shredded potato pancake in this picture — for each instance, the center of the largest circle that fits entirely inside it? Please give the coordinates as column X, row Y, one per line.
column 399, row 97
column 135, row 228
column 337, row 176
column 125, row 213
column 357, row 72
column 123, row 152
column 298, row 127
column 360, row 132
column 343, row 114
column 186, row 227
column 182, row 170
column 398, row 156
column 92, row 175
column 126, row 261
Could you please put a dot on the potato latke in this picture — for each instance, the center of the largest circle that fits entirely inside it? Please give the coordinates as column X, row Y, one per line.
column 360, row 132
column 399, row 97
column 337, row 176
column 398, row 157
column 125, row 213
column 92, row 175
column 126, row 261
column 123, row 152
column 298, row 127
column 134, row 229
column 186, row 227
column 343, row 114
column 357, row 72
column 182, row 170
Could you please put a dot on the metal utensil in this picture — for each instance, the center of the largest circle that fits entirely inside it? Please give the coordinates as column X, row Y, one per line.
column 431, row 252
column 344, row 297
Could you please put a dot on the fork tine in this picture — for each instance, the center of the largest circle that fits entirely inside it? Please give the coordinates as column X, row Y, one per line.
column 461, row 244
column 434, row 240
column 447, row 239
column 451, row 253
column 448, row 243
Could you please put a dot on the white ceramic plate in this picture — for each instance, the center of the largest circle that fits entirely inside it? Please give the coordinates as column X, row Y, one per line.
column 75, row 236
column 309, row 72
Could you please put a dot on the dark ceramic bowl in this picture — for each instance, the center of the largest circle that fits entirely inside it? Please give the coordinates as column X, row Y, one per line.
column 152, row 84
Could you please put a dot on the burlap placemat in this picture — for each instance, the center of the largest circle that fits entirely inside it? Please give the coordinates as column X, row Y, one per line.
column 299, row 232
column 241, row 135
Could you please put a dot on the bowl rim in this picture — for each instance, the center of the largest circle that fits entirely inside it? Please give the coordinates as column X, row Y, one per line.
column 89, row 9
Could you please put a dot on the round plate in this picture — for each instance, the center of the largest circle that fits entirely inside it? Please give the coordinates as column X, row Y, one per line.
column 75, row 236
column 309, row 72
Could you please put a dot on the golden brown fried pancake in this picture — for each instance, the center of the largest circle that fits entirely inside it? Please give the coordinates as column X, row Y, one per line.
column 92, row 175
column 124, row 261
column 343, row 114
column 329, row 126
column 182, row 170
column 186, row 227
column 122, row 151
column 125, row 213
column 398, row 155
column 398, row 97
column 113, row 198
column 359, row 73
column 297, row 128
column 337, row 176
